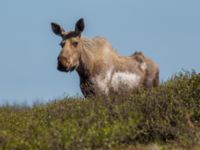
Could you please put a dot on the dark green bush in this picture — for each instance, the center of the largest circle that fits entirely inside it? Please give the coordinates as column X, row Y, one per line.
column 168, row 113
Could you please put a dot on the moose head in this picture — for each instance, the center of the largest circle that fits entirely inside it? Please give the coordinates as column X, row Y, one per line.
column 68, row 59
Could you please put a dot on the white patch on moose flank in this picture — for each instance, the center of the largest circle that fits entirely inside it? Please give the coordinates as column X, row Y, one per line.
column 118, row 80
column 143, row 66
column 124, row 80
column 103, row 81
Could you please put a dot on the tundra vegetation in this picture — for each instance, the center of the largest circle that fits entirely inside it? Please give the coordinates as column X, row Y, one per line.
column 164, row 117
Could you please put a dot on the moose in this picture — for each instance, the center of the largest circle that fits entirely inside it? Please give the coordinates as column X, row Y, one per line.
column 100, row 68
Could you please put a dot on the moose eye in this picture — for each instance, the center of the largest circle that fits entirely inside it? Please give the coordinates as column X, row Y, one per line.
column 75, row 44
column 62, row 44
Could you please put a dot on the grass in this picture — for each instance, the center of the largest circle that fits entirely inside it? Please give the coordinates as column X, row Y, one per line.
column 167, row 117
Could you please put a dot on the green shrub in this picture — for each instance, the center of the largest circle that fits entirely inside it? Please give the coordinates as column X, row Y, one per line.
column 168, row 113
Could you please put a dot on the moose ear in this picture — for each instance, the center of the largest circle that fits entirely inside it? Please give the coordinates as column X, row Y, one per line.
column 57, row 29
column 79, row 26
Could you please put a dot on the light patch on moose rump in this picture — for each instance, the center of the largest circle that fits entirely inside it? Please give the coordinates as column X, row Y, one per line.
column 126, row 80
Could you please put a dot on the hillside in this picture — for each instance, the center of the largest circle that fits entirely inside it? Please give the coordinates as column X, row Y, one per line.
column 166, row 117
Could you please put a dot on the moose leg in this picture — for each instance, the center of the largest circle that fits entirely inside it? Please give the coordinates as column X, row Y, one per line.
column 156, row 81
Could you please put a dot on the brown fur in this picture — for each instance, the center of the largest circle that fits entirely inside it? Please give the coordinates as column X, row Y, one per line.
column 97, row 62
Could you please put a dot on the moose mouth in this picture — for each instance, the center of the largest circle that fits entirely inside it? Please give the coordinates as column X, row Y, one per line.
column 65, row 69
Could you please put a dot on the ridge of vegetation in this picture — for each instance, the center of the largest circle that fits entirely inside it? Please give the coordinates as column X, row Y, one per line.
column 166, row 115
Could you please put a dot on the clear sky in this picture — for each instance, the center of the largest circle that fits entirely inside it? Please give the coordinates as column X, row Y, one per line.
column 167, row 31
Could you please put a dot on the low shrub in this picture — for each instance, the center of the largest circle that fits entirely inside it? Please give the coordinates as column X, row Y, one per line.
column 168, row 113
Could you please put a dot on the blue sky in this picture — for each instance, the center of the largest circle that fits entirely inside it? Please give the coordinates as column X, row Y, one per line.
column 167, row 31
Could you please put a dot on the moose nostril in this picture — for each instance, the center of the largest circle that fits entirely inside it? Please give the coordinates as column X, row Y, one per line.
column 60, row 65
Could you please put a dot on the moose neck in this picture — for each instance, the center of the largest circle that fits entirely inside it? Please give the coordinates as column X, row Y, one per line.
column 96, row 57
column 86, row 61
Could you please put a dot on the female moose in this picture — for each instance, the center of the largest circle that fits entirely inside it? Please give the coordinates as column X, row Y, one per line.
column 100, row 68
